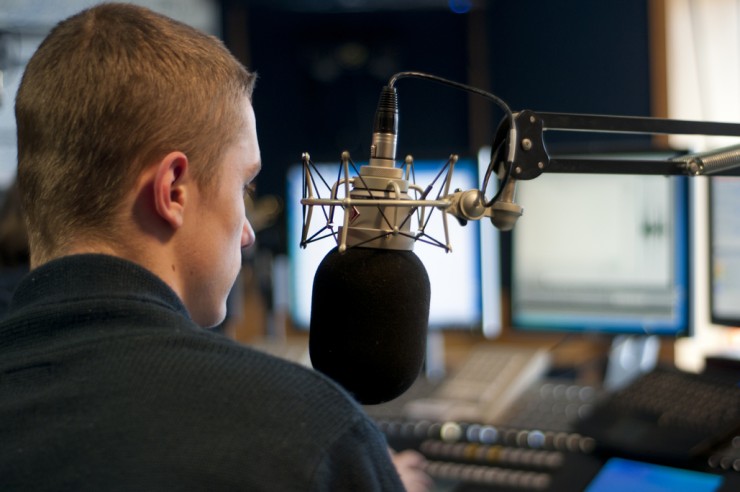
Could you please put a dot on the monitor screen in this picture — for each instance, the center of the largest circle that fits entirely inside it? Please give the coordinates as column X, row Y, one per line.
column 619, row 474
column 465, row 283
column 724, row 250
column 601, row 253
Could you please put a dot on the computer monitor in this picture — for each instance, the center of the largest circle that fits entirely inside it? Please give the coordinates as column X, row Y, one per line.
column 724, row 250
column 465, row 283
column 604, row 254
column 598, row 253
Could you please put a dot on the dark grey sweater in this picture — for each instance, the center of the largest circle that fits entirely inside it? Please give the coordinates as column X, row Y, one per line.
column 106, row 384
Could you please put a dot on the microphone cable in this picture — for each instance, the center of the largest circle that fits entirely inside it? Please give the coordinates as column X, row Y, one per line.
column 501, row 132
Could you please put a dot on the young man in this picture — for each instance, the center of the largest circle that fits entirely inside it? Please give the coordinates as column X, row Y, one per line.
column 136, row 141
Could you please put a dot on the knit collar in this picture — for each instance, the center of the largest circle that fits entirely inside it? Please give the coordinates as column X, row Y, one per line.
column 92, row 276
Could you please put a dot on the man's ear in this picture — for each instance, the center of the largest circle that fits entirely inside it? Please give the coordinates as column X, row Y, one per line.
column 170, row 188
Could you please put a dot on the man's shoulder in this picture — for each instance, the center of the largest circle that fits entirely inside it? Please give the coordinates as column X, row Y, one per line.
column 227, row 367
column 264, row 398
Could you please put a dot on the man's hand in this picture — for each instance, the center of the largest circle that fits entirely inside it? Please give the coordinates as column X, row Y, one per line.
column 410, row 467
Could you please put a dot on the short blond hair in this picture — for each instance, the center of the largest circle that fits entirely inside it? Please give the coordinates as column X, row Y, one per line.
column 109, row 91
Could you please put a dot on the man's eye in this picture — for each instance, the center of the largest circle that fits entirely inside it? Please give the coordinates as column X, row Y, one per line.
column 250, row 191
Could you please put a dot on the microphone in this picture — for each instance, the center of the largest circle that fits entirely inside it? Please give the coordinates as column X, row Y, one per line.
column 370, row 304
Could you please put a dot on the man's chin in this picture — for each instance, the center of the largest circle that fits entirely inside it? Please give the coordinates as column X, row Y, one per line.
column 212, row 319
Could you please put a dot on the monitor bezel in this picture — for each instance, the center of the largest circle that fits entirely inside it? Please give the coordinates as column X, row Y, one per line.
column 714, row 318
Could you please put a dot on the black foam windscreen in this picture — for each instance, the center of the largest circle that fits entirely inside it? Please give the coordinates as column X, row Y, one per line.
column 369, row 319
